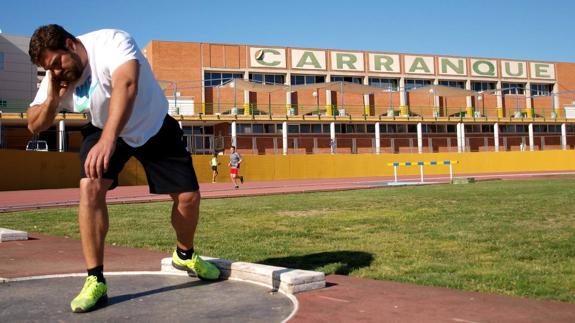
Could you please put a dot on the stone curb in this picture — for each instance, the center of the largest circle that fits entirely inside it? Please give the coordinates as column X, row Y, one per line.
column 289, row 281
column 12, row 235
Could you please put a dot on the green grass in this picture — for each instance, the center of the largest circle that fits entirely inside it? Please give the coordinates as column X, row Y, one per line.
column 507, row 237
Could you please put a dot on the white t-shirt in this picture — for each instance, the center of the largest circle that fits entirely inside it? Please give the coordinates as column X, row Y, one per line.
column 108, row 49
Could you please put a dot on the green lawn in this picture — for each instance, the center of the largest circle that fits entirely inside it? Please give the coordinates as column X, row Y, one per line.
column 506, row 237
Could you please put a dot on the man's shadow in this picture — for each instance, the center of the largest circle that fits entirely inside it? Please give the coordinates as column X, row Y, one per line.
column 346, row 261
column 126, row 297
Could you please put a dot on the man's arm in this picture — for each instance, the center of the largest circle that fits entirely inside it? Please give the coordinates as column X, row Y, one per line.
column 41, row 116
column 124, row 91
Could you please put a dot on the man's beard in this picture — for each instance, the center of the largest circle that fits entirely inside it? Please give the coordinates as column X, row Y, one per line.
column 74, row 72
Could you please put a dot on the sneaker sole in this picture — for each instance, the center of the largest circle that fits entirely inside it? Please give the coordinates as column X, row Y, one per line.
column 102, row 302
column 191, row 271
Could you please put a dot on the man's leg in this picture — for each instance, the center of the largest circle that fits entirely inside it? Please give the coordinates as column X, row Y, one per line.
column 185, row 215
column 93, row 222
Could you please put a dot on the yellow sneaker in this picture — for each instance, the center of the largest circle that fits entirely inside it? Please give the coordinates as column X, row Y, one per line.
column 92, row 296
column 202, row 268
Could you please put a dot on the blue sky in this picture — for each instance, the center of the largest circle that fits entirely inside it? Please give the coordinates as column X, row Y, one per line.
column 527, row 29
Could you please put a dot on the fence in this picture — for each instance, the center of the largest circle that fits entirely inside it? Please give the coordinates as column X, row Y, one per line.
column 303, row 144
column 320, row 143
column 421, row 164
column 392, row 111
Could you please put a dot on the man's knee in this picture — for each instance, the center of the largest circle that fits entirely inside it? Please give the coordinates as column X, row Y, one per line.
column 93, row 190
column 187, row 199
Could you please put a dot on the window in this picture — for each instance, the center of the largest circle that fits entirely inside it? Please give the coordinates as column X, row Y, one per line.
column 1, row 61
column 307, row 79
column 215, row 79
column 401, row 128
column 267, row 78
column 507, row 128
column 554, row 128
column 541, row 89
column 351, row 79
column 434, row 128
column 472, row 128
column 269, row 128
column 370, row 128
column 512, row 88
column 305, row 128
column 293, row 128
column 383, row 83
column 457, row 84
column 208, row 130
column 244, row 128
column 3, row 103
column 483, row 86
column 539, row 128
column 316, row 128
column 487, row 128
column 412, row 84
column 349, row 128
column 257, row 128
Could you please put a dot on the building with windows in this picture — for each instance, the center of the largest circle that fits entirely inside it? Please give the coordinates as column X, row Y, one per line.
column 305, row 101
column 517, row 102
column 18, row 76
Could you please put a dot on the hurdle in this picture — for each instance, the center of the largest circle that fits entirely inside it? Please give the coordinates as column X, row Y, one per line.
column 450, row 163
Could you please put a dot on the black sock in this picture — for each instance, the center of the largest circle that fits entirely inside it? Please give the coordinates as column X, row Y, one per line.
column 98, row 272
column 184, row 254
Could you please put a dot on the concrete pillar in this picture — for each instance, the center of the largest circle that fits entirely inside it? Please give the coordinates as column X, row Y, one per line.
column 332, row 142
column 463, row 137
column 366, row 98
column 531, row 139
column 234, row 134
column 436, row 98
column 496, row 136
column 458, row 137
column 377, row 139
column 288, row 94
column 61, row 136
column 419, row 138
column 469, row 109
column 247, row 111
column 284, row 138
column 528, row 101
column 555, row 102
column 500, row 112
column 328, row 109
column 403, row 105
column 563, row 136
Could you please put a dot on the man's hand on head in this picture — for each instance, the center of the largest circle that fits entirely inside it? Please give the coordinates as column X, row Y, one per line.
column 56, row 88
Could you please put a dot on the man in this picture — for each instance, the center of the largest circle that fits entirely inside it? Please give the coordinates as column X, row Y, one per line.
column 235, row 162
column 105, row 75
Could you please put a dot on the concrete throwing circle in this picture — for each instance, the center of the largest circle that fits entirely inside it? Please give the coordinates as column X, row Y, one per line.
column 144, row 298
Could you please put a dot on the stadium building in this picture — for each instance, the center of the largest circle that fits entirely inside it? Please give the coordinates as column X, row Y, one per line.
column 282, row 100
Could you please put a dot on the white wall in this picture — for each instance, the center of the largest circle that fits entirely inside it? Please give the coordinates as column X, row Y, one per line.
column 18, row 77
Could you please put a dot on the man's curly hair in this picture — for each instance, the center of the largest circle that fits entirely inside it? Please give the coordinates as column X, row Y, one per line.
column 52, row 37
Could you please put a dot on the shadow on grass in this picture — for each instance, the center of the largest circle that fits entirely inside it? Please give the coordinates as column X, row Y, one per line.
column 343, row 262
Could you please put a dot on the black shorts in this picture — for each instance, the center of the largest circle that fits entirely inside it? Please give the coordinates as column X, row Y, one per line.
column 167, row 163
column 215, row 168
